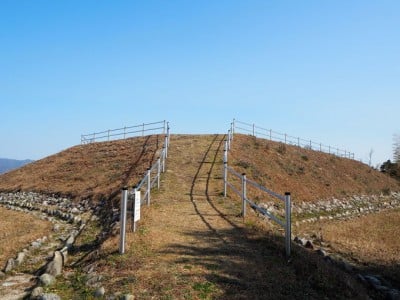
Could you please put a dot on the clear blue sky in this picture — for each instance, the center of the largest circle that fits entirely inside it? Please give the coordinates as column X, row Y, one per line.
column 322, row 70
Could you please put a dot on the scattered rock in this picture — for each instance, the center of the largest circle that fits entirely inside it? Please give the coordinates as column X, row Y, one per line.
column 309, row 244
column 50, row 296
column 10, row 265
column 46, row 279
column 37, row 292
column 55, row 265
column 127, row 297
column 99, row 292
column 20, row 258
column 321, row 252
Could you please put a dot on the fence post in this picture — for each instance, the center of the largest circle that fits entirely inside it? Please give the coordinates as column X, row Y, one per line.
column 229, row 140
column 298, row 141
column 233, row 126
column 108, row 135
column 225, row 168
column 285, row 138
column 158, row 172
column 320, row 147
column 148, row 186
column 329, row 149
column 232, row 129
column 124, row 132
column 166, row 145
column 163, row 159
column 270, row 134
column 168, row 133
column 310, row 145
column 254, row 134
column 244, row 196
column 143, row 129
column 124, row 198
column 288, row 227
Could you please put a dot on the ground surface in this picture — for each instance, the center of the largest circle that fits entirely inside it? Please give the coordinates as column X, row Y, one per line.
column 191, row 242
column 17, row 231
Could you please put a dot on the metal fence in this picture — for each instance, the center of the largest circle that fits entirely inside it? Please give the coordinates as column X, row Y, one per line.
column 150, row 180
column 125, row 132
column 252, row 129
column 242, row 192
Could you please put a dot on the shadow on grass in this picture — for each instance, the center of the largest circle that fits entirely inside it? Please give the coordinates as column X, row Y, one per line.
column 253, row 266
column 245, row 264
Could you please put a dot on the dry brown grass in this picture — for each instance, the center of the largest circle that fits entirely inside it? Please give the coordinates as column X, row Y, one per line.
column 97, row 170
column 192, row 243
column 17, row 231
column 372, row 241
column 307, row 174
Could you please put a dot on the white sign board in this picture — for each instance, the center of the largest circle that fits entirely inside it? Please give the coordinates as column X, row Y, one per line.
column 136, row 211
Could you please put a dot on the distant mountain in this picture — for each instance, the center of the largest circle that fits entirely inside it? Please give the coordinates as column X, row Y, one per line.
column 10, row 164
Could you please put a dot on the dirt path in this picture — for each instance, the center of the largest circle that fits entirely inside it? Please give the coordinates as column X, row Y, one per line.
column 193, row 244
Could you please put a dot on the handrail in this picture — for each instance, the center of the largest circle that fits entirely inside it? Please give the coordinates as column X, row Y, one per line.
column 124, row 132
column 242, row 192
column 255, row 130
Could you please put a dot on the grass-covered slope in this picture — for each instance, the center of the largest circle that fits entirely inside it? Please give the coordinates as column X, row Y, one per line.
column 308, row 175
column 97, row 170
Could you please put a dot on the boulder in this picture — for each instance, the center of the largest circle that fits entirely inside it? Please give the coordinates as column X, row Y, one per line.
column 56, row 264
column 10, row 265
column 37, row 292
column 46, row 279
column 50, row 296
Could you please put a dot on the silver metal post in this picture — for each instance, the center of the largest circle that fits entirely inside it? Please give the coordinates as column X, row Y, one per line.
column 254, row 131
column 233, row 126
column 124, row 131
column 166, row 145
column 285, row 138
column 288, row 227
column 158, row 172
column 310, row 145
column 148, row 186
column 229, row 140
column 108, row 135
column 270, row 134
column 168, row 133
column 320, row 147
column 225, row 170
column 143, row 129
column 124, row 198
column 163, row 159
column 298, row 141
column 244, row 196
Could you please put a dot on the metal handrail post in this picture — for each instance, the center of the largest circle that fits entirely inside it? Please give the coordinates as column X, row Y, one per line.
column 225, row 170
column 124, row 198
column 288, row 226
column 229, row 140
column 163, row 159
column 148, row 186
column 166, row 145
column 244, row 196
column 158, row 172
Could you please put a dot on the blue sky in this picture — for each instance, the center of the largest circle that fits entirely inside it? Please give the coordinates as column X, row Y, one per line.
column 322, row 70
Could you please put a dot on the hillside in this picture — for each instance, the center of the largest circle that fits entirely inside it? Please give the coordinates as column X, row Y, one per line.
column 192, row 243
column 309, row 175
column 7, row 164
column 93, row 171
column 99, row 170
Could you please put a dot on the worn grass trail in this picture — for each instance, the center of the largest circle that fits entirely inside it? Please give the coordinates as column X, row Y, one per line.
column 192, row 243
